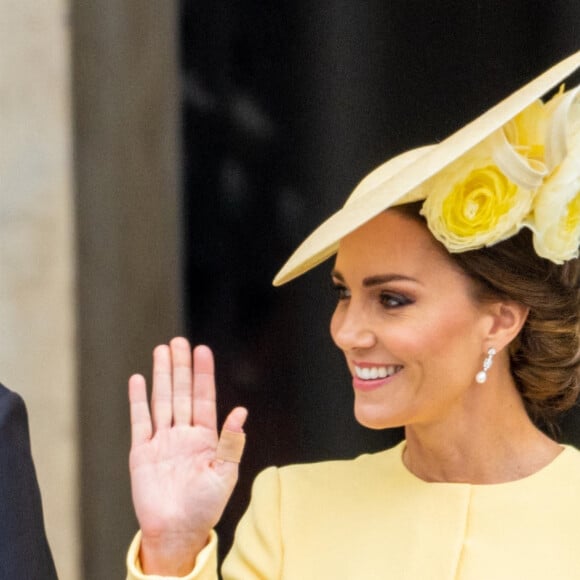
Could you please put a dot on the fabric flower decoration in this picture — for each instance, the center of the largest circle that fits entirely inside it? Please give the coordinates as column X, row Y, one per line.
column 525, row 133
column 563, row 126
column 472, row 203
column 556, row 217
column 525, row 175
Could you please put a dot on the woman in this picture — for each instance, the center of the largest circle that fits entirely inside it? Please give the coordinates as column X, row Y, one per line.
column 457, row 278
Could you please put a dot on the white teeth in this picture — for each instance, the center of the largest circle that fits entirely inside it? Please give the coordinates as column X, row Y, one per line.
column 369, row 373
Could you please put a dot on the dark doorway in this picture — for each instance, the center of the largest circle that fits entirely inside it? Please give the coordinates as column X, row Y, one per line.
column 286, row 105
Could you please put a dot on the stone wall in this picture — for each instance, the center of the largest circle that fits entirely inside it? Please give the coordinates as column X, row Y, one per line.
column 37, row 307
column 90, row 261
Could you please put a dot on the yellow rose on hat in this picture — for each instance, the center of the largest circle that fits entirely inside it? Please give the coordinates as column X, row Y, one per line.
column 556, row 222
column 556, row 217
column 472, row 203
column 526, row 132
column 487, row 195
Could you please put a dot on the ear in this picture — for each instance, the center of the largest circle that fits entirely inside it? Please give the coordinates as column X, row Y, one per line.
column 507, row 319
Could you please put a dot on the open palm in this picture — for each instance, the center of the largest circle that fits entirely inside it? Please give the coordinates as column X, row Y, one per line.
column 179, row 489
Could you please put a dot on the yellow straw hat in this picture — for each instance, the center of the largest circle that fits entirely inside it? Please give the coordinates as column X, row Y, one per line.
column 495, row 175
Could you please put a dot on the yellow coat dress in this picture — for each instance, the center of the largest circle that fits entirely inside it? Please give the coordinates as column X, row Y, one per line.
column 370, row 518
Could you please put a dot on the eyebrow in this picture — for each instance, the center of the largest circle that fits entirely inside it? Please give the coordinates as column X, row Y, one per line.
column 378, row 279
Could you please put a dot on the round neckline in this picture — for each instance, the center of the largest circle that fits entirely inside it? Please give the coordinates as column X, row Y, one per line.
column 543, row 471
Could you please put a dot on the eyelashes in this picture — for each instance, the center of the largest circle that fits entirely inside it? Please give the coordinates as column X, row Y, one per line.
column 341, row 291
column 388, row 299
column 394, row 300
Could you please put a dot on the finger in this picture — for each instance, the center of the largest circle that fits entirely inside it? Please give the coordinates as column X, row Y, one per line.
column 236, row 419
column 161, row 396
column 232, row 438
column 204, row 409
column 141, row 428
column 182, row 381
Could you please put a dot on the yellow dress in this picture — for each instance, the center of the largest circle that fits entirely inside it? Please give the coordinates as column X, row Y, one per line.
column 370, row 518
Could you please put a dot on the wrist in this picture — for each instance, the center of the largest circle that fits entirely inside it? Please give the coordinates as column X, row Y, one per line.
column 173, row 555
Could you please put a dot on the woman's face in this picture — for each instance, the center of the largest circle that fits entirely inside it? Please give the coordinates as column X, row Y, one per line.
column 411, row 332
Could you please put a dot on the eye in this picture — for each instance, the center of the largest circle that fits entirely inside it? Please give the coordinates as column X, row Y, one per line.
column 392, row 300
column 342, row 292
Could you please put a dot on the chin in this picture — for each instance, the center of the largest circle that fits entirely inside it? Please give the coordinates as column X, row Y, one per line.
column 371, row 419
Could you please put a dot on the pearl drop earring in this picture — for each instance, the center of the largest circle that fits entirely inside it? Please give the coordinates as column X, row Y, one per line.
column 481, row 376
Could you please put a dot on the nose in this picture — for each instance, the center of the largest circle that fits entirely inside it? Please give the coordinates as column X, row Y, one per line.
column 350, row 328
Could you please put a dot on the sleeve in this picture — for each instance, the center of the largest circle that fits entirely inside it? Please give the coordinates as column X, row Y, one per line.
column 257, row 549
column 24, row 549
column 205, row 565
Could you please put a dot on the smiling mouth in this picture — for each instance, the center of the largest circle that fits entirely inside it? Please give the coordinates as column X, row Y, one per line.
column 373, row 373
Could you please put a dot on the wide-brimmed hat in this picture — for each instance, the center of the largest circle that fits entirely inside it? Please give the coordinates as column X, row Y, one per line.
column 517, row 165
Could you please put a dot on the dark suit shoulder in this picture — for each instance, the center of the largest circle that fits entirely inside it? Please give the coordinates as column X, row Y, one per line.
column 24, row 549
column 13, row 419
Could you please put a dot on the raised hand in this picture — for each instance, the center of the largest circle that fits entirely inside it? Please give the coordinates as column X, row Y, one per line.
column 179, row 487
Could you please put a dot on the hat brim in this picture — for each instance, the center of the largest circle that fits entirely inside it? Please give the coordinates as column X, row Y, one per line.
column 394, row 182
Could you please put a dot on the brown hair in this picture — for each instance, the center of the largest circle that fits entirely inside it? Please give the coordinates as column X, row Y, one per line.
column 545, row 357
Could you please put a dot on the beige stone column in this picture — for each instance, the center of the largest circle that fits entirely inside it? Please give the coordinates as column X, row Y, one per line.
column 127, row 190
column 37, row 307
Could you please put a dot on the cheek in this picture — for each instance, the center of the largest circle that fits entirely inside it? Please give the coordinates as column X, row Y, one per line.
column 407, row 343
column 435, row 339
column 452, row 345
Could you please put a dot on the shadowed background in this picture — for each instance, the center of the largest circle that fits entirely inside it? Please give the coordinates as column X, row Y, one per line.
column 285, row 107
